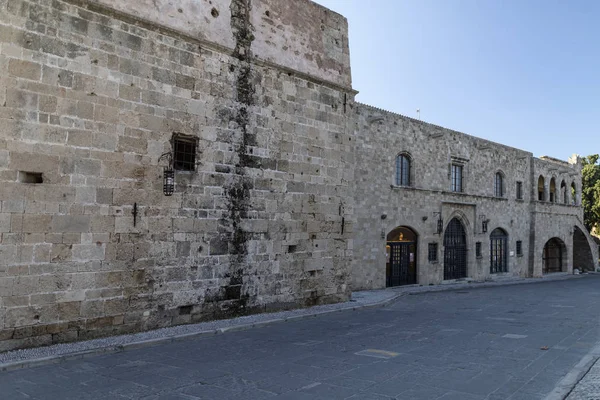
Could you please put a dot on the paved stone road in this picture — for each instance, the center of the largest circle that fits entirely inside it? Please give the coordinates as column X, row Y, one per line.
column 467, row 344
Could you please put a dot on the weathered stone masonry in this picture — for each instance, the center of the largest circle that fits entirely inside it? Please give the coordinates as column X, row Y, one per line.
column 91, row 93
column 381, row 205
column 292, row 194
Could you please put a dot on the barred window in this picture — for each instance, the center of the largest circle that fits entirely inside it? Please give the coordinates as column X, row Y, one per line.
column 457, row 178
column 478, row 249
column 519, row 248
column 402, row 170
column 519, row 190
column 432, row 252
column 498, row 185
column 184, row 152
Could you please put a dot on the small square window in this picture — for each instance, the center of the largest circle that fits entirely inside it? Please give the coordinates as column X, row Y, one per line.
column 519, row 248
column 184, row 153
column 519, row 190
column 478, row 249
column 432, row 252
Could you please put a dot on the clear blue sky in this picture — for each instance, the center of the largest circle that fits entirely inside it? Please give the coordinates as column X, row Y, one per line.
column 525, row 73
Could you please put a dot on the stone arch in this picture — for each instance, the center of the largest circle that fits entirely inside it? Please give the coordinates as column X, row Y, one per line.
column 552, row 190
column 401, row 256
column 541, row 188
column 583, row 256
column 563, row 192
column 464, row 220
column 554, row 256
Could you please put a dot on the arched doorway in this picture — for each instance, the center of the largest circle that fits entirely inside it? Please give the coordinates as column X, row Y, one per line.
column 401, row 251
column 455, row 251
column 554, row 251
column 498, row 251
column 582, row 254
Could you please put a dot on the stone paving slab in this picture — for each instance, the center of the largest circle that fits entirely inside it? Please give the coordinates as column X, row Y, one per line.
column 504, row 343
column 361, row 299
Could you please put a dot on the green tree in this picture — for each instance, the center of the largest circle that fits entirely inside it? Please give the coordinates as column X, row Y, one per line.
column 590, row 191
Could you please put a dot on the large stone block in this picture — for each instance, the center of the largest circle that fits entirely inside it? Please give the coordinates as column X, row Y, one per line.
column 25, row 69
column 71, row 223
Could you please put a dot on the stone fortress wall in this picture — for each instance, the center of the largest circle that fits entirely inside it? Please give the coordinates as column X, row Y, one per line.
column 92, row 94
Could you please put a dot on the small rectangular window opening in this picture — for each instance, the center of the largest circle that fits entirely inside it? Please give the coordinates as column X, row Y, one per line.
column 478, row 249
column 432, row 252
column 30, row 177
column 184, row 152
column 519, row 248
column 519, row 190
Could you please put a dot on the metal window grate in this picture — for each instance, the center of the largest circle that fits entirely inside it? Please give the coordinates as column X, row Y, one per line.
column 432, row 252
column 498, row 185
column 457, row 178
column 402, row 170
column 478, row 249
column 184, row 153
column 519, row 248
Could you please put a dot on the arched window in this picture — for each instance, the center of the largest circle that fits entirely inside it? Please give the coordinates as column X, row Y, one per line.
column 499, row 185
column 541, row 189
column 552, row 190
column 498, row 251
column 563, row 191
column 403, row 170
column 573, row 194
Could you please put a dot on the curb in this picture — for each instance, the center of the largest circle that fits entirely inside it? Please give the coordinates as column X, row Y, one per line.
column 55, row 359
column 566, row 385
column 36, row 362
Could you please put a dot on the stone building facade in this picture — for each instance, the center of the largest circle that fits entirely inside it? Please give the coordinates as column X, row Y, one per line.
column 434, row 205
column 169, row 162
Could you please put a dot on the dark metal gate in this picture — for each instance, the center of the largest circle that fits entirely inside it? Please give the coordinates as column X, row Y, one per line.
column 455, row 251
column 402, row 270
column 498, row 251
